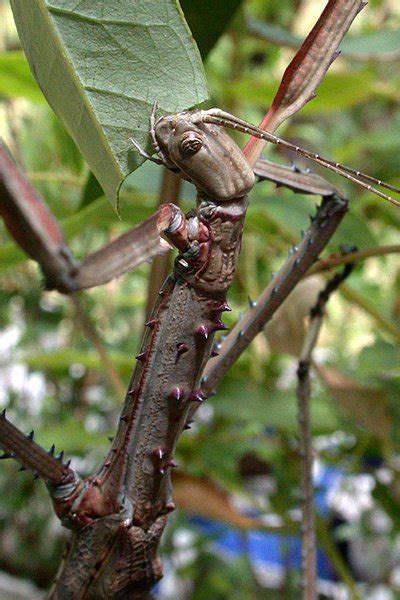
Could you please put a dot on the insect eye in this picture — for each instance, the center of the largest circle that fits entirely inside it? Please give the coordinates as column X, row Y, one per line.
column 190, row 143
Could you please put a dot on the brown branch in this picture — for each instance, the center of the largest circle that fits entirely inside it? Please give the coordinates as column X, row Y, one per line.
column 308, row 534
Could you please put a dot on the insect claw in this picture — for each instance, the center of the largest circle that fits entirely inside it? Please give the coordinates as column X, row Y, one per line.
column 3, row 413
column 143, row 153
column 110, row 438
column 30, row 435
column 50, row 451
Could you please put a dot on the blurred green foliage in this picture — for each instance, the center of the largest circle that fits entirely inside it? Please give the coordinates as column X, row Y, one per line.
column 53, row 380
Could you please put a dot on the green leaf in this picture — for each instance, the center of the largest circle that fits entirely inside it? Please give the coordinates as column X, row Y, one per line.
column 273, row 33
column 101, row 65
column 292, row 212
column 217, row 15
column 374, row 45
column 59, row 362
column 92, row 190
column 382, row 44
column 271, row 407
column 71, row 436
column 380, row 359
column 354, row 231
column 337, row 91
column 16, row 79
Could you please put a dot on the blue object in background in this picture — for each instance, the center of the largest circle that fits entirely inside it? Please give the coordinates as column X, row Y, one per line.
column 273, row 551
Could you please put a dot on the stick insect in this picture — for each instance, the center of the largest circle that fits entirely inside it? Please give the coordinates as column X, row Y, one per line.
column 118, row 514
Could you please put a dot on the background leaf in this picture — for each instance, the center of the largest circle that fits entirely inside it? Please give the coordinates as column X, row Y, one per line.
column 374, row 45
column 16, row 78
column 216, row 14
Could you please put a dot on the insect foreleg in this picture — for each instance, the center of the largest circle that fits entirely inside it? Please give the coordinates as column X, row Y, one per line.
column 303, row 182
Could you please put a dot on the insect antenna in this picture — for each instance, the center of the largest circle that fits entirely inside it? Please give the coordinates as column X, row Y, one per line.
column 362, row 175
column 224, row 119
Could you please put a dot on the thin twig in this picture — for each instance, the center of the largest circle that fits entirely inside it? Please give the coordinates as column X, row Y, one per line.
column 335, row 260
column 92, row 335
column 308, row 535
